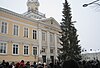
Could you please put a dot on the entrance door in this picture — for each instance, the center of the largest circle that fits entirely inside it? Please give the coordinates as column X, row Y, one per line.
column 52, row 59
column 44, row 58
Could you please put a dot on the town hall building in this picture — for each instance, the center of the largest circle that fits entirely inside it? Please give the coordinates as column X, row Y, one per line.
column 29, row 36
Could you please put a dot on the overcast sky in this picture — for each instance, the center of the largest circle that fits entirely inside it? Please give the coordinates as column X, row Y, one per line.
column 88, row 18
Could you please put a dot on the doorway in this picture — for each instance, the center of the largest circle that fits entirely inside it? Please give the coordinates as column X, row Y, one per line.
column 52, row 59
column 44, row 58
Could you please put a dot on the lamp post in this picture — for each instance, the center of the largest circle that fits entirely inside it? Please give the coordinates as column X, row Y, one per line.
column 94, row 2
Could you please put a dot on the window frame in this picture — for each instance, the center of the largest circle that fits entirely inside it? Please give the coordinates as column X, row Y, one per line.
column 51, row 37
column 4, row 30
column 14, row 30
column 33, row 52
column 26, row 32
column 51, row 50
column 24, row 49
column 44, row 36
column 34, row 34
column 4, row 48
column 12, row 48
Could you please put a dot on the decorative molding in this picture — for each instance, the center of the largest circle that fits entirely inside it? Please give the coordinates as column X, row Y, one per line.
column 17, row 40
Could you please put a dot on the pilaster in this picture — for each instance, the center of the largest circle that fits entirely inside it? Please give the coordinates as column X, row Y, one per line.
column 55, row 37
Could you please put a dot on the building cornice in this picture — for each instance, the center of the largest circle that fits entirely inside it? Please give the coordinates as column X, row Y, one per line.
column 16, row 14
column 39, row 22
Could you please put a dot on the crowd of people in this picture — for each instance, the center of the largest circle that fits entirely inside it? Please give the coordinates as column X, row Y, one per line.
column 65, row 64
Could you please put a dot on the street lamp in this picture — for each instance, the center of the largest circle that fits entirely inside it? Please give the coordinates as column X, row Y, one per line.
column 85, row 5
column 94, row 2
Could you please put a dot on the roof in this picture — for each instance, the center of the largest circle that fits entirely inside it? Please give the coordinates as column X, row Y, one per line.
column 50, row 21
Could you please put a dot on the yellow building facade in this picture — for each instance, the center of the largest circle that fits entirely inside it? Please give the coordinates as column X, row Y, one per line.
column 25, row 38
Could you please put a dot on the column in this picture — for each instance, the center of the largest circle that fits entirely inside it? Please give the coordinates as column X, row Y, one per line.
column 40, row 44
column 48, row 47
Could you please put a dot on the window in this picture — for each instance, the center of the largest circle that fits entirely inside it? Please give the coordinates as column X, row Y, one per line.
column 51, row 21
column 51, row 50
column 3, row 48
column 58, row 39
column 26, row 32
column 43, row 49
column 4, row 28
column 15, row 30
column 34, row 34
column 36, row 9
column 43, row 36
column 34, row 50
column 58, row 51
column 51, row 37
column 26, row 48
column 15, row 49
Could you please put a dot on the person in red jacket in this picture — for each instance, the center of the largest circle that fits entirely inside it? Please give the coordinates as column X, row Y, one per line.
column 21, row 64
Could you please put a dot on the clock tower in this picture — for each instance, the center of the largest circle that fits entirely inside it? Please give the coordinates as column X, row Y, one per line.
column 33, row 11
column 32, row 5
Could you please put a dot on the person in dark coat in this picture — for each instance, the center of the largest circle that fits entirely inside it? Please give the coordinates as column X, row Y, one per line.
column 12, row 65
column 70, row 64
column 3, row 64
column 27, row 65
column 40, row 65
column 34, row 65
